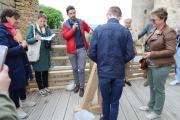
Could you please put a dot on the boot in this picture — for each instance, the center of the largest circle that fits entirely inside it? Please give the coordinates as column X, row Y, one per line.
column 81, row 92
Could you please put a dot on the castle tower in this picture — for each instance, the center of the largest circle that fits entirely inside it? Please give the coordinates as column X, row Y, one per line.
column 140, row 12
column 173, row 8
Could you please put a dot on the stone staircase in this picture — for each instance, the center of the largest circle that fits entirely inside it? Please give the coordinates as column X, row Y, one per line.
column 60, row 73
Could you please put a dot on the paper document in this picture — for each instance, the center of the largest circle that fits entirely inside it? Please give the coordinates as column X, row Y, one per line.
column 49, row 38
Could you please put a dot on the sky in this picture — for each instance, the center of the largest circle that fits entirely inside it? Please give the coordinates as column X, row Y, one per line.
column 92, row 11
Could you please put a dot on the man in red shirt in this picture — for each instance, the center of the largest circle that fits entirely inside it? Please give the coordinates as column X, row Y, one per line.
column 73, row 31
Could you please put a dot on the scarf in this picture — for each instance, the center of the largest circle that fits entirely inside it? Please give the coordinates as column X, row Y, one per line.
column 11, row 29
column 41, row 30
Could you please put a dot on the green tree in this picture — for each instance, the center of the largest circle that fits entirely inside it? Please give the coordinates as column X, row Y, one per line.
column 55, row 17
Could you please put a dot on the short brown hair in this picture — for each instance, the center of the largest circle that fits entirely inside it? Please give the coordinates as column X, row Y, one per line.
column 9, row 13
column 70, row 7
column 114, row 11
column 161, row 13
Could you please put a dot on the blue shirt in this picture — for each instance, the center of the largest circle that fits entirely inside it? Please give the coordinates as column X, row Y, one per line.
column 78, row 34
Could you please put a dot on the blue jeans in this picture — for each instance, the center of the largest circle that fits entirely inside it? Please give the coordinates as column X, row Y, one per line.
column 78, row 62
column 178, row 64
column 111, row 90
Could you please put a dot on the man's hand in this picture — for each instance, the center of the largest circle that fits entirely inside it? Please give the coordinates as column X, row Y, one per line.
column 4, row 79
column 90, row 32
column 75, row 26
column 24, row 44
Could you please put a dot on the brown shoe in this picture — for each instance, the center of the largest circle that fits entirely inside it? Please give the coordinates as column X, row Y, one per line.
column 76, row 89
column 81, row 92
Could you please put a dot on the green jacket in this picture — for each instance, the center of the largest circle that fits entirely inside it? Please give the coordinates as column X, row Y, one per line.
column 44, row 59
column 7, row 108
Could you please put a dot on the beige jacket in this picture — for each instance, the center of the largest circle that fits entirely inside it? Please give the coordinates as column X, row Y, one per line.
column 162, row 45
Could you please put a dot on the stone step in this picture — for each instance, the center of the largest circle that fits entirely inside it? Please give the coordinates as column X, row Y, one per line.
column 68, row 67
column 60, row 58
column 59, row 46
column 58, row 78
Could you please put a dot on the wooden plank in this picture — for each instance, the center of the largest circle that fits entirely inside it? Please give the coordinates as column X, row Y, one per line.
column 61, row 107
column 72, row 102
column 134, row 102
column 62, row 103
column 33, row 96
column 127, row 108
column 51, row 105
column 121, row 114
column 166, row 115
column 38, row 109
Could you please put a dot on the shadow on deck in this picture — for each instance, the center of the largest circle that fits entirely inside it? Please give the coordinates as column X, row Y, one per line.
column 60, row 104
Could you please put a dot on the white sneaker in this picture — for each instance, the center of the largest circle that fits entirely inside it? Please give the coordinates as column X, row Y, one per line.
column 47, row 90
column 174, row 82
column 42, row 92
column 152, row 116
column 144, row 108
column 26, row 103
column 70, row 87
column 21, row 113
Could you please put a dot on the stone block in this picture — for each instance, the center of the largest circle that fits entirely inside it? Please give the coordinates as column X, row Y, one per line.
column 7, row 7
column 20, row 4
column 0, row 6
column 4, row 2
column 12, row 3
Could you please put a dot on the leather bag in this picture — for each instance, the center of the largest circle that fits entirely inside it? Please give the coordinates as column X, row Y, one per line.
column 143, row 64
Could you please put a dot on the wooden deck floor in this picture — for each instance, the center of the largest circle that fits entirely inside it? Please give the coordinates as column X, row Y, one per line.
column 59, row 105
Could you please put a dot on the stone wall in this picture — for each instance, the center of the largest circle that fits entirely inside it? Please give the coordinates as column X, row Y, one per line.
column 28, row 10
column 173, row 8
column 142, row 8
column 140, row 12
column 4, row 4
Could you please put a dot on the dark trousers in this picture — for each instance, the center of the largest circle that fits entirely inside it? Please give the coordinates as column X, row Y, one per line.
column 41, row 79
column 111, row 90
column 15, row 95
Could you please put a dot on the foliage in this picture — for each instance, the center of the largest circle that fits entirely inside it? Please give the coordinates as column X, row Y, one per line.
column 55, row 17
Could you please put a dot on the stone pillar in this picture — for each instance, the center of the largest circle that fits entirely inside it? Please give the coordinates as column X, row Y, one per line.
column 140, row 13
column 173, row 8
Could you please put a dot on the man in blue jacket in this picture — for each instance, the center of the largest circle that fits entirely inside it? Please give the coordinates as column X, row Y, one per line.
column 111, row 48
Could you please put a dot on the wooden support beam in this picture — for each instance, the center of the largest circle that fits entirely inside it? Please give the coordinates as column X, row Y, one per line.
column 92, row 87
